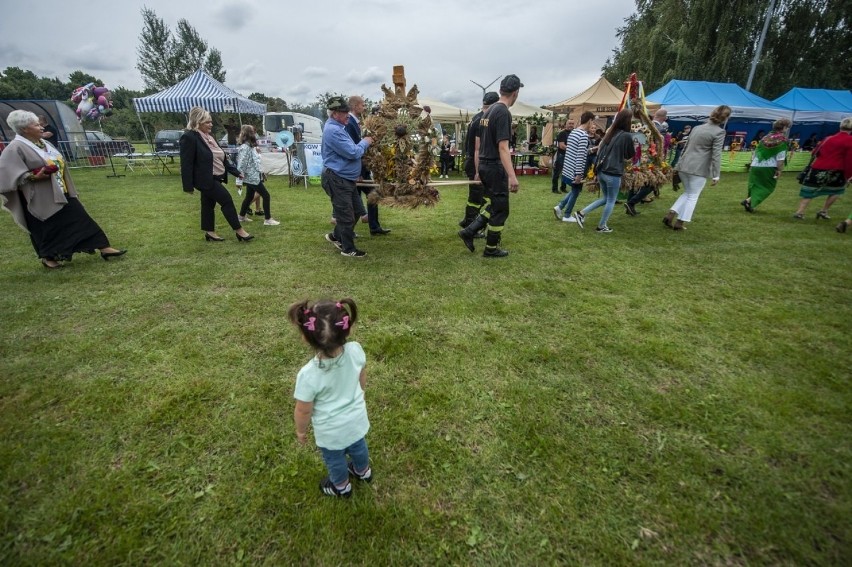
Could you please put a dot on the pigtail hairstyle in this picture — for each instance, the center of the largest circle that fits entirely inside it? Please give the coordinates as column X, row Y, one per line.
column 325, row 324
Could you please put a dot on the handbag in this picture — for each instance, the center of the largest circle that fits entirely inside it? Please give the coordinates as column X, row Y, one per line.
column 804, row 173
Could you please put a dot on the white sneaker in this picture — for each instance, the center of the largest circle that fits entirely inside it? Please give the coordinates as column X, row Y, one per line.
column 244, row 219
column 557, row 212
column 569, row 219
column 271, row 222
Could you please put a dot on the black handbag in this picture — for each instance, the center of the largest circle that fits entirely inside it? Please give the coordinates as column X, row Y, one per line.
column 804, row 173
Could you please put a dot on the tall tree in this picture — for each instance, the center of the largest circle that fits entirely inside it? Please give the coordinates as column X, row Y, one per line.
column 273, row 104
column 808, row 43
column 165, row 59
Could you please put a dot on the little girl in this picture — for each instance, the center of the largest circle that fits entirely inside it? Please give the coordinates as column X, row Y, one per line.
column 330, row 392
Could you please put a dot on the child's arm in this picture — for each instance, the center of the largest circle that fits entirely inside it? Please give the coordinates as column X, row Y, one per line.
column 302, row 417
column 363, row 378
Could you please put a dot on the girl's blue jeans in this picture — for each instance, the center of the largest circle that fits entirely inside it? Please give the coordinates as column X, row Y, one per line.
column 335, row 461
column 609, row 192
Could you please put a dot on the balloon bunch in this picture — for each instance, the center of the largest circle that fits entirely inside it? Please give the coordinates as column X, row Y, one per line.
column 92, row 102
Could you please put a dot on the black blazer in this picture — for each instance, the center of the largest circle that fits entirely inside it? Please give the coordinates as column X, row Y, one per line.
column 196, row 163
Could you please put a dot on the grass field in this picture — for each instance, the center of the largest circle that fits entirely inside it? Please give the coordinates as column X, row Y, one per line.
column 643, row 396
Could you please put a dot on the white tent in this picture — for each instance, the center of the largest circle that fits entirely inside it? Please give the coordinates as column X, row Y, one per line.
column 521, row 110
column 443, row 112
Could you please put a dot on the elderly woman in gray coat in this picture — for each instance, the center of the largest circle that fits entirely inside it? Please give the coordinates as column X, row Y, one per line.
column 36, row 188
column 701, row 160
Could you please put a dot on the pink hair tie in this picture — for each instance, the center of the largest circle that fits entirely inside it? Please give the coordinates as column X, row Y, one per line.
column 310, row 324
column 344, row 323
column 339, row 305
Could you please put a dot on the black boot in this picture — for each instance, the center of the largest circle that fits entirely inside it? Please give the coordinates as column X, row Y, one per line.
column 468, row 233
column 492, row 246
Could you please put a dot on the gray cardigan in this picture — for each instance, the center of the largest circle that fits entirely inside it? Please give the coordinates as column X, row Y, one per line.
column 702, row 155
column 43, row 198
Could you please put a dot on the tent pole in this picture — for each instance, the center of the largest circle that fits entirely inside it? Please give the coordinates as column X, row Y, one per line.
column 144, row 131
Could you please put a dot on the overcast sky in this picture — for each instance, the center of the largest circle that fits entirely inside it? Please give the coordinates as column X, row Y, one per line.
column 297, row 50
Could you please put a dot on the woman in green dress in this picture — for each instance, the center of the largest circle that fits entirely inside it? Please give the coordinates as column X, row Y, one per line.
column 767, row 165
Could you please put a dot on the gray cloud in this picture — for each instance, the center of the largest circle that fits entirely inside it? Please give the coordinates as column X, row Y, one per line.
column 92, row 58
column 315, row 72
column 299, row 90
column 234, row 16
column 370, row 76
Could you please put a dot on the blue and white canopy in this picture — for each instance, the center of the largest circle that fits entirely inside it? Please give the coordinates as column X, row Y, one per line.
column 199, row 89
column 694, row 100
column 817, row 105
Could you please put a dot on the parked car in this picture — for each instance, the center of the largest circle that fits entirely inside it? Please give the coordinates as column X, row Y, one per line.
column 167, row 140
column 101, row 144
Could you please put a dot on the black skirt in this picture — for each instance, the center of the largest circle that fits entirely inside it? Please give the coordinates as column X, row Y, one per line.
column 68, row 231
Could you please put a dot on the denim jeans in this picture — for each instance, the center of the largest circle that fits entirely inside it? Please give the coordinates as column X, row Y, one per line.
column 335, row 460
column 568, row 201
column 609, row 192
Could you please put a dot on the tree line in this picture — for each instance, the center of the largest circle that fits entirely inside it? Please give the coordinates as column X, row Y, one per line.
column 808, row 44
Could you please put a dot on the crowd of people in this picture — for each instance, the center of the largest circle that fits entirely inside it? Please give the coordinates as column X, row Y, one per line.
column 37, row 188
column 696, row 159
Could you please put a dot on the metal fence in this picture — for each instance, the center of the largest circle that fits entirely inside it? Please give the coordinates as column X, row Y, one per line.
column 117, row 157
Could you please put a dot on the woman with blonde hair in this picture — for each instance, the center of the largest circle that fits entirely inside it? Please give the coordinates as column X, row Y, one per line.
column 830, row 171
column 204, row 166
column 248, row 162
column 701, row 160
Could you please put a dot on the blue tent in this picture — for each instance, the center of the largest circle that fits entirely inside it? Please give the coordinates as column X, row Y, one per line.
column 199, row 89
column 816, row 105
column 694, row 100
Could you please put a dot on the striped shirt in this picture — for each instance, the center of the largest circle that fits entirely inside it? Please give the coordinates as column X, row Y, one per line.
column 576, row 152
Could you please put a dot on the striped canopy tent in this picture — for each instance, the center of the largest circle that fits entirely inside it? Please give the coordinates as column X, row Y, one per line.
column 199, row 89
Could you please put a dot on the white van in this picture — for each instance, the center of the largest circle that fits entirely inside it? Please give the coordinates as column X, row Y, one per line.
column 310, row 126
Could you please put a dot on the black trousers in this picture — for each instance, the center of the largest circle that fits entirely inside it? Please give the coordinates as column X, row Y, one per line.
column 495, row 185
column 635, row 197
column 212, row 195
column 475, row 193
column 446, row 165
column 344, row 194
column 557, row 173
column 261, row 190
column 372, row 210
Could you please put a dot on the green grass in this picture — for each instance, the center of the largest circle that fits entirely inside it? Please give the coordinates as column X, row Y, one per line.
column 643, row 396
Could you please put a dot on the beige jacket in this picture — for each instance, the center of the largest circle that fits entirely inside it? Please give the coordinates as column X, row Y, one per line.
column 43, row 199
column 702, row 155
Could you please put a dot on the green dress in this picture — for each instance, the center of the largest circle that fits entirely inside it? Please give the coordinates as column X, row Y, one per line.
column 762, row 173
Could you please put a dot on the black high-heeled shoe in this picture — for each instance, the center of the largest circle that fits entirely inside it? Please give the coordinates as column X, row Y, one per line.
column 107, row 255
column 245, row 238
column 209, row 238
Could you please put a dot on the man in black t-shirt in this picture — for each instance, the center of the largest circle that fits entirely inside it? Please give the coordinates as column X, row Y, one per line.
column 494, row 168
column 475, row 198
column 561, row 144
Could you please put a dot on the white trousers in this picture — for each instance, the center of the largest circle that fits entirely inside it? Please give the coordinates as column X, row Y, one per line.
column 685, row 204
